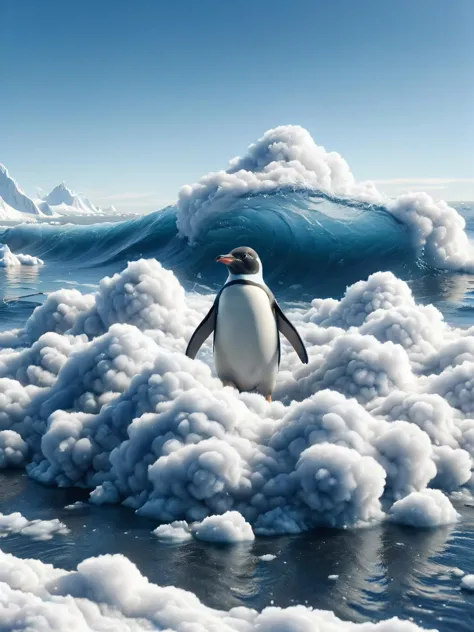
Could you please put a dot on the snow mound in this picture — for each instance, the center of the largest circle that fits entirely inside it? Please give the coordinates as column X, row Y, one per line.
column 427, row 508
column 109, row 593
column 7, row 258
column 96, row 392
column 288, row 156
column 35, row 529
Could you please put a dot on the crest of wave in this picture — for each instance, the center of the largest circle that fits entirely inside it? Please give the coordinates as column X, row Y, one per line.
column 287, row 156
column 378, row 425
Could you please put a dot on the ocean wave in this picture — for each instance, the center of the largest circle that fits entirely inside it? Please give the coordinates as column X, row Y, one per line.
column 305, row 239
column 299, row 206
column 288, row 156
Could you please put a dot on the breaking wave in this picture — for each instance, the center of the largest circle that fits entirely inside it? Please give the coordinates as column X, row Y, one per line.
column 298, row 205
column 303, row 238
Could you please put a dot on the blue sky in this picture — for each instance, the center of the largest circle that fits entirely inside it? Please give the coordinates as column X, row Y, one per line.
column 127, row 101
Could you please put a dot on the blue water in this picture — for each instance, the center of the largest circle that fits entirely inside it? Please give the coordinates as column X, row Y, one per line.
column 311, row 245
column 308, row 240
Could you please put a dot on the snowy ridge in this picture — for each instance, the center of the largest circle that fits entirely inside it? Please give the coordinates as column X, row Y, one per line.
column 14, row 203
column 109, row 593
column 64, row 201
column 98, row 389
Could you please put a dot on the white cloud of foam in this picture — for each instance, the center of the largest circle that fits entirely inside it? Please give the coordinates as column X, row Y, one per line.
column 428, row 508
column 8, row 258
column 15, row 523
column 228, row 528
column 179, row 530
column 109, row 593
column 13, row 449
column 108, row 400
column 467, row 582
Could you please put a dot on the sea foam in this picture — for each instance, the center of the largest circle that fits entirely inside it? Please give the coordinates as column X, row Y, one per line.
column 100, row 394
column 110, row 593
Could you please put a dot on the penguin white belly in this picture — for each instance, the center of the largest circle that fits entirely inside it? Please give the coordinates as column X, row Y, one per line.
column 246, row 339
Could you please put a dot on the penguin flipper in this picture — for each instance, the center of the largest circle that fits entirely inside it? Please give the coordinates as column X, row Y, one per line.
column 290, row 333
column 202, row 333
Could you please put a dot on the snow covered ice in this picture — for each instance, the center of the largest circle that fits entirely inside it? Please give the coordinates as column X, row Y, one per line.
column 378, row 425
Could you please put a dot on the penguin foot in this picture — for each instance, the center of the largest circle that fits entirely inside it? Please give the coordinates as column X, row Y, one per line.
column 269, row 399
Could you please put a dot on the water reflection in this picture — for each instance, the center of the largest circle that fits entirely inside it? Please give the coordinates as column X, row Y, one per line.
column 20, row 276
column 440, row 287
column 381, row 572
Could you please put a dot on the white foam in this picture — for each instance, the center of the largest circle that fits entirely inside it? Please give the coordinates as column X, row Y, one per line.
column 13, row 449
column 8, row 259
column 427, row 508
column 467, row 582
column 178, row 530
column 268, row 557
column 288, row 156
column 77, row 505
column 15, row 523
column 108, row 400
column 109, row 593
column 227, row 528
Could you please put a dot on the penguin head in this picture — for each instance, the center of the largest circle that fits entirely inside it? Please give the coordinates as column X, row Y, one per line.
column 242, row 260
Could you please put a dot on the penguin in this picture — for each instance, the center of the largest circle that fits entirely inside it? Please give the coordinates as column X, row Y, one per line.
column 247, row 322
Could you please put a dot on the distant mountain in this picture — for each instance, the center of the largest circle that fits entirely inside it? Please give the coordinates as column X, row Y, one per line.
column 14, row 203
column 64, row 201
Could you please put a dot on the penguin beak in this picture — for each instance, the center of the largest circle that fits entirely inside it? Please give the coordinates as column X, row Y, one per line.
column 227, row 259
